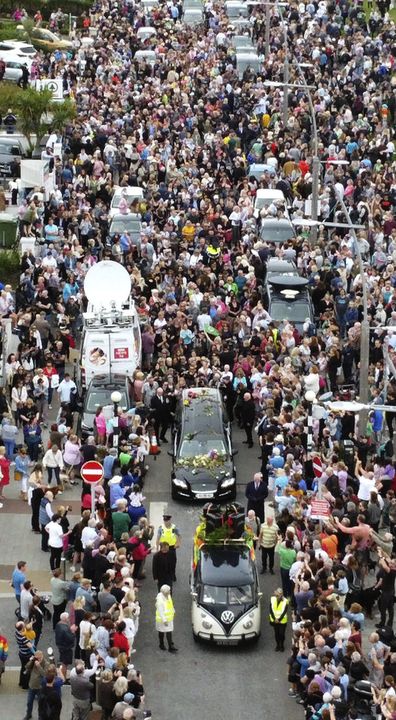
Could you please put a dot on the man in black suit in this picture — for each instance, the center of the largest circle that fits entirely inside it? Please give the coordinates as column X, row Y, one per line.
column 248, row 414
column 162, row 414
column 256, row 492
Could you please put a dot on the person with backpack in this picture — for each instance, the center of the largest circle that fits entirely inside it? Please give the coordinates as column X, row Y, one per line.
column 50, row 698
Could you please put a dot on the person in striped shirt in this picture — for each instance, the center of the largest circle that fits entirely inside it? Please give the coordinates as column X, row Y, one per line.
column 25, row 651
column 266, row 541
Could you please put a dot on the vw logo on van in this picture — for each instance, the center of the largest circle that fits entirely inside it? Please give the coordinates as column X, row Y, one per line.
column 227, row 617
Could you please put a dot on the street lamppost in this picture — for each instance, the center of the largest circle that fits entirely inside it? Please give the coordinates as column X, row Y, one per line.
column 310, row 399
column 365, row 325
column 115, row 399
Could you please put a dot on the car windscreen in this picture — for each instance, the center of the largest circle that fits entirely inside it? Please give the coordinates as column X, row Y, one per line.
column 125, row 225
column 115, row 203
column 235, row 595
column 296, row 311
column 9, row 149
column 99, row 397
column 276, row 232
column 201, row 446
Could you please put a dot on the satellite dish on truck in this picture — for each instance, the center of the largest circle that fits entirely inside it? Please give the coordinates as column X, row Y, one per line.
column 107, row 284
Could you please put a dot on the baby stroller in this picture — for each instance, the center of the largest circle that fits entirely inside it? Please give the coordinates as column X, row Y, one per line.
column 362, row 699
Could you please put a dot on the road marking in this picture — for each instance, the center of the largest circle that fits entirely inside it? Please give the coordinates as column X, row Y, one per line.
column 156, row 511
column 268, row 510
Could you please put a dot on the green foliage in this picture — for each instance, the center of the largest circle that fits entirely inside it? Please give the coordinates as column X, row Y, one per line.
column 8, row 96
column 35, row 111
column 74, row 7
column 62, row 113
column 9, row 265
column 31, row 105
column 8, row 30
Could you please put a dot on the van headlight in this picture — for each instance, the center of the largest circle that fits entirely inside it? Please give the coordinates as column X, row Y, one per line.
column 228, row 482
column 179, row 483
column 247, row 624
column 206, row 624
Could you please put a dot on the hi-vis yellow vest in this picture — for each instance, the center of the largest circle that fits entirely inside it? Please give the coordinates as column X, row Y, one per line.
column 277, row 610
column 169, row 612
column 168, row 535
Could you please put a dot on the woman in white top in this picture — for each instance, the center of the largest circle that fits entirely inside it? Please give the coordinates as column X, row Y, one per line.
column 87, row 630
column 55, row 540
column 19, row 395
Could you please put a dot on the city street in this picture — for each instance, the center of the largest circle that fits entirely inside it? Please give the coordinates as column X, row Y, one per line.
column 212, row 682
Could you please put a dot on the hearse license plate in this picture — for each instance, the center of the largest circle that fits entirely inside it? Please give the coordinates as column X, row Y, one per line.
column 204, row 495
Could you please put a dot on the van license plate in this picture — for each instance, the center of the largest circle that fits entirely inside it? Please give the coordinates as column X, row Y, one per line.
column 204, row 496
column 226, row 642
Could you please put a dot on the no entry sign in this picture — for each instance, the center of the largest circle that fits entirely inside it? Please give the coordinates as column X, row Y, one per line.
column 92, row 472
column 317, row 466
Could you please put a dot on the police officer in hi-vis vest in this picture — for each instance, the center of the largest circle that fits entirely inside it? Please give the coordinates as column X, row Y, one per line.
column 168, row 533
column 278, row 618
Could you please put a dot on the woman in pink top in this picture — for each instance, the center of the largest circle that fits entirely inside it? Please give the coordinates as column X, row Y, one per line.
column 72, row 457
column 100, row 426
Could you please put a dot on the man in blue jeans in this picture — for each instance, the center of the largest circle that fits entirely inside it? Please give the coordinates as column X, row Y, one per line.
column 37, row 667
column 18, row 578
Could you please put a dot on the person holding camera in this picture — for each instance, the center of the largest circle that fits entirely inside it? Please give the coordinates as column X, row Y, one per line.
column 36, row 668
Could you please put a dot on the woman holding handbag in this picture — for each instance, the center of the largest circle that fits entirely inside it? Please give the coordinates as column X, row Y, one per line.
column 21, row 471
column 72, row 457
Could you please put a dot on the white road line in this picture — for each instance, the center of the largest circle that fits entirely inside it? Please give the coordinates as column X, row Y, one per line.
column 268, row 510
column 156, row 511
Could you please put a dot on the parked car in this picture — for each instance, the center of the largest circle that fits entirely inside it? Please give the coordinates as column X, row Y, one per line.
column 289, row 299
column 10, row 149
column 203, row 465
column 48, row 41
column 13, row 68
column 98, row 394
column 17, row 49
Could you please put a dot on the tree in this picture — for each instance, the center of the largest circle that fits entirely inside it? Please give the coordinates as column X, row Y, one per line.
column 36, row 112
column 62, row 113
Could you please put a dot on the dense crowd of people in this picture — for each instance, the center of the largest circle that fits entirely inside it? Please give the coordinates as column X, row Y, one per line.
column 186, row 130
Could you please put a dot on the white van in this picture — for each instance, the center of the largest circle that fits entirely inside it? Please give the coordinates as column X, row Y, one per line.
column 236, row 9
column 111, row 341
column 245, row 59
column 265, row 197
column 147, row 56
column 129, row 193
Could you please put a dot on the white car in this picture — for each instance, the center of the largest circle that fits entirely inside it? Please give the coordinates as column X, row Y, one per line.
column 13, row 69
column 127, row 194
column 17, row 49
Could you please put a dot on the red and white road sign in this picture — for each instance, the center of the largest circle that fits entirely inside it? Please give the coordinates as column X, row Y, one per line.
column 320, row 509
column 92, row 472
column 317, row 466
